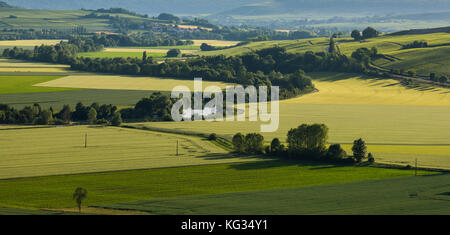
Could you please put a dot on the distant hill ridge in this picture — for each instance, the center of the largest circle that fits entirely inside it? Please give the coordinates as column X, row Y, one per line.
column 5, row 5
column 423, row 31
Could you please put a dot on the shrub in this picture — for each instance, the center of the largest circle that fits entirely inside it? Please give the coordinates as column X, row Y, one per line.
column 174, row 53
column 370, row 158
column 212, row 136
column 335, row 152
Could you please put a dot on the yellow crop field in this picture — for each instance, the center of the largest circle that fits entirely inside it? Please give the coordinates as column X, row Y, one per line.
column 123, row 83
column 61, row 150
column 141, row 50
column 13, row 43
column 8, row 65
column 360, row 89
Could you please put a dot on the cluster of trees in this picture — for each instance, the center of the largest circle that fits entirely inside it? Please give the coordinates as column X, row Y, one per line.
column 32, row 34
column 252, row 143
column 306, row 142
column 365, row 55
column 441, row 79
column 369, row 32
column 119, row 11
column 62, row 53
column 157, row 107
column 169, row 17
column 117, row 40
column 415, row 44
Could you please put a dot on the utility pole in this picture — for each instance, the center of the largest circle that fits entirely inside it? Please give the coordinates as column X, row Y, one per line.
column 85, row 140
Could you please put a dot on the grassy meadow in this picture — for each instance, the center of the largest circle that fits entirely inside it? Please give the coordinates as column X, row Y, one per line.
column 24, row 84
column 421, row 60
column 400, row 196
column 164, row 183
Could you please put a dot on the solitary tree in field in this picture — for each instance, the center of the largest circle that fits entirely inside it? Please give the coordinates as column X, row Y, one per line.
column 332, row 46
column 79, row 195
column 359, row 150
column 144, row 56
column 370, row 32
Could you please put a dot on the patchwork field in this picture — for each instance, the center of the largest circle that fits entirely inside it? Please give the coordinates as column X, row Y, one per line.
column 9, row 66
column 424, row 61
column 28, row 43
column 409, row 195
column 61, row 150
column 390, row 117
column 124, row 83
column 128, row 186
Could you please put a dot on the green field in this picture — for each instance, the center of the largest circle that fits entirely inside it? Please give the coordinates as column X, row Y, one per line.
column 71, row 97
column 24, row 84
column 61, row 150
column 55, row 19
column 404, row 196
column 421, row 60
column 127, row 186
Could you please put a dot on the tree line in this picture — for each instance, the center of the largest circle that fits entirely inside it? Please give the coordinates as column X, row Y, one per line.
column 156, row 107
column 266, row 67
column 306, row 142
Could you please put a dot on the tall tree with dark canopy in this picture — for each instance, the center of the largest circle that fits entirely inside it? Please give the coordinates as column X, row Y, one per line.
column 359, row 149
column 79, row 195
column 370, row 32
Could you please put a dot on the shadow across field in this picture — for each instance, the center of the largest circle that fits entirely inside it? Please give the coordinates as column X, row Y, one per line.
column 274, row 163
